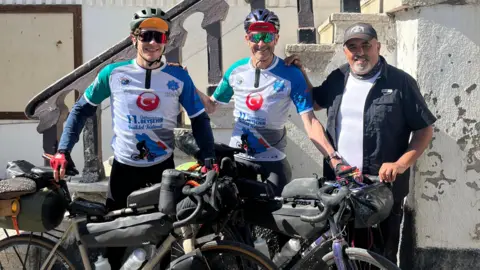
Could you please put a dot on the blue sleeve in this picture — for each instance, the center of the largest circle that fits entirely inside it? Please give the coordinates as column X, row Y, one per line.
column 75, row 122
column 300, row 95
column 189, row 98
column 203, row 134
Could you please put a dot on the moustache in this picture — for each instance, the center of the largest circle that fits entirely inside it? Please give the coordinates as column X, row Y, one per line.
column 358, row 57
column 265, row 48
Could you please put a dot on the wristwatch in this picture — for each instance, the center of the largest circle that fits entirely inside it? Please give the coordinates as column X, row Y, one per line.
column 334, row 155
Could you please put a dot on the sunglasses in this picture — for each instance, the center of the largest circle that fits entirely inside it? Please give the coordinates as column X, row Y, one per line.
column 265, row 36
column 148, row 36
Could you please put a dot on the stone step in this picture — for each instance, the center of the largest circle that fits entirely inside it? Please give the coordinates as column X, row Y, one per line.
column 332, row 30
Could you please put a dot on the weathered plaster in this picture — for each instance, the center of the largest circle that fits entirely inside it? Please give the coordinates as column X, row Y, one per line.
column 414, row 3
column 442, row 53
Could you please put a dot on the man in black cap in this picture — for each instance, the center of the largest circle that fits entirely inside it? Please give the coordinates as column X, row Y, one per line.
column 373, row 108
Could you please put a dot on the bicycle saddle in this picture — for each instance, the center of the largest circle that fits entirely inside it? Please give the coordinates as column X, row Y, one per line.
column 223, row 148
column 43, row 172
column 302, row 188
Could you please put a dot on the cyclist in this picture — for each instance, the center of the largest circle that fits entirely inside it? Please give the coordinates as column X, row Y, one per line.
column 263, row 88
column 145, row 96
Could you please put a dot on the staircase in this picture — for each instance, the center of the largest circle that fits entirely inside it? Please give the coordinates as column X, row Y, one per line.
column 321, row 58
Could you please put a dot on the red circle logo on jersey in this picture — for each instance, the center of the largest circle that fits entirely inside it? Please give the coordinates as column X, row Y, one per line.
column 148, row 101
column 254, row 101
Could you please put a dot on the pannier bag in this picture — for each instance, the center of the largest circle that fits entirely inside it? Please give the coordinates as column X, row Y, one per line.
column 126, row 231
column 38, row 211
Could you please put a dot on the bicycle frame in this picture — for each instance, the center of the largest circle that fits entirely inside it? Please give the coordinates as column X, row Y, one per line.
column 189, row 244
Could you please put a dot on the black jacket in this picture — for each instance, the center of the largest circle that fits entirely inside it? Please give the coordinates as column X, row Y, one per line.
column 393, row 109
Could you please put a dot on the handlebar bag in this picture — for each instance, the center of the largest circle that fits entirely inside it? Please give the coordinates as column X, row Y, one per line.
column 126, row 231
column 371, row 204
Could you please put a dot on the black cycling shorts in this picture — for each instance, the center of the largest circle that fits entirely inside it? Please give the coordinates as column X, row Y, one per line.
column 278, row 173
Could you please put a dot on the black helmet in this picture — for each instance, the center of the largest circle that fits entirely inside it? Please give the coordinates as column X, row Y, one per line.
column 262, row 15
column 147, row 13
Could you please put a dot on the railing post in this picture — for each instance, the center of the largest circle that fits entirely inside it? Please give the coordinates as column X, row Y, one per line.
column 352, row 6
column 93, row 170
column 214, row 51
column 256, row 4
column 51, row 137
column 306, row 25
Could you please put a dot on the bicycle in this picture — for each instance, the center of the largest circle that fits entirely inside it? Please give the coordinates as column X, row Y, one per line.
column 307, row 211
column 156, row 228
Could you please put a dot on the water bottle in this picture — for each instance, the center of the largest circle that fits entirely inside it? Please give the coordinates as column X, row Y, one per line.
column 135, row 260
column 102, row 263
column 288, row 251
column 261, row 245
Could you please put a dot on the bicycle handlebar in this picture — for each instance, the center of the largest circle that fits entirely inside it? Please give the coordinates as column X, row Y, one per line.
column 330, row 201
column 197, row 193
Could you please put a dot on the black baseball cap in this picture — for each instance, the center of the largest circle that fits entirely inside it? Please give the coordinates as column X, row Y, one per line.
column 360, row 30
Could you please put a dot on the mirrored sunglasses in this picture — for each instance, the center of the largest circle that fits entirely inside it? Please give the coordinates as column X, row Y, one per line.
column 257, row 37
column 148, row 36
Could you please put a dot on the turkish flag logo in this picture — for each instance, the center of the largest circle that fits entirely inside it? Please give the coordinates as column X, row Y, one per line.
column 254, row 101
column 148, row 101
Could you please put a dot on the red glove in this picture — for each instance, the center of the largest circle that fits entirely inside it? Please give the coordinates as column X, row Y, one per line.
column 342, row 170
column 215, row 168
column 58, row 163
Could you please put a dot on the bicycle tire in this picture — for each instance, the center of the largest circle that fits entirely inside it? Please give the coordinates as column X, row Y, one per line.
column 38, row 241
column 225, row 246
column 363, row 255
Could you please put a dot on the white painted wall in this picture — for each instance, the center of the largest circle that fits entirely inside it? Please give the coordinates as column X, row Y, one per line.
column 105, row 23
column 440, row 46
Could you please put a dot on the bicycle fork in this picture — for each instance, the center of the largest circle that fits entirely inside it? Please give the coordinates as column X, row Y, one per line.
column 338, row 246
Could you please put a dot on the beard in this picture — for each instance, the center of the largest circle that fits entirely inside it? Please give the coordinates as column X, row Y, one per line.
column 361, row 64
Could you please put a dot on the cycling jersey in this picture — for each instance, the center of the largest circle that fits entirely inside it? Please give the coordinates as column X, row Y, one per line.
column 144, row 105
column 260, row 113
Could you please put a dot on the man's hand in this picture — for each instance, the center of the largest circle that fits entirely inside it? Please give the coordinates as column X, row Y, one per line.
column 177, row 65
column 389, row 171
column 342, row 170
column 294, row 59
column 59, row 164
column 208, row 103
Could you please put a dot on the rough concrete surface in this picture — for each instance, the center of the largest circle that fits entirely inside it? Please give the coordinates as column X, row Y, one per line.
column 442, row 53
column 414, row 3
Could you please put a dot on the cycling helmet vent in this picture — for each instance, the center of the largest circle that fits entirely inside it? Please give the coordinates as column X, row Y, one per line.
column 262, row 15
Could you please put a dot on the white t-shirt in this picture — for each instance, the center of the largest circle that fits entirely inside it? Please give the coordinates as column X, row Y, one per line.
column 349, row 127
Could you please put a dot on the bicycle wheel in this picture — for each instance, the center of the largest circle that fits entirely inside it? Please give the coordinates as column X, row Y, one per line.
column 234, row 255
column 359, row 257
column 30, row 252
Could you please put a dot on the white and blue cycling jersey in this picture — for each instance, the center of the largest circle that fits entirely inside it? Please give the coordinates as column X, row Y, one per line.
column 144, row 106
column 261, row 113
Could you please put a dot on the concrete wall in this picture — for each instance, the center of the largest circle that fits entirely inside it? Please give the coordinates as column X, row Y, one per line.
column 440, row 46
column 106, row 22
